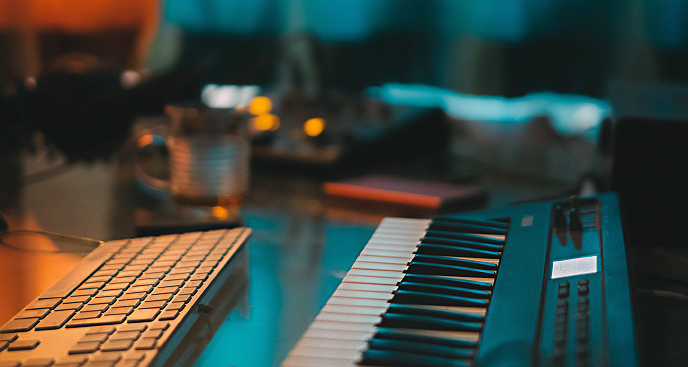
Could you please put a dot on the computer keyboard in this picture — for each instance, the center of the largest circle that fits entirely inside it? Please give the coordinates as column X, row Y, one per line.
column 150, row 301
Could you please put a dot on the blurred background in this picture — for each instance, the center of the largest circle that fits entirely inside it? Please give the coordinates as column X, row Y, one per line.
column 495, row 47
column 546, row 69
column 514, row 97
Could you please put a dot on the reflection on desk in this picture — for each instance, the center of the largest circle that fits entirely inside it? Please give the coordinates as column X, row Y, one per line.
column 300, row 249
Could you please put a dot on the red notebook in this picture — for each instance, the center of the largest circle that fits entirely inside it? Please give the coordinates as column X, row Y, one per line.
column 405, row 197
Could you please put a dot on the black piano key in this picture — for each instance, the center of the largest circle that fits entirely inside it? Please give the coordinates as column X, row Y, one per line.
column 395, row 320
column 433, row 249
column 443, row 289
column 425, row 298
column 406, row 335
column 477, row 222
column 464, row 228
column 463, row 236
column 451, row 282
column 375, row 357
column 448, row 260
column 430, row 312
column 459, row 242
column 418, row 267
column 421, row 348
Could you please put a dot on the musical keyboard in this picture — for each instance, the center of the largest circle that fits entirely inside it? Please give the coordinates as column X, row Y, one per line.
column 542, row 284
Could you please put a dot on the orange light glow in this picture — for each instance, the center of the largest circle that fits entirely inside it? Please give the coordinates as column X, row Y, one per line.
column 266, row 122
column 145, row 140
column 314, row 126
column 220, row 212
column 260, row 105
column 82, row 16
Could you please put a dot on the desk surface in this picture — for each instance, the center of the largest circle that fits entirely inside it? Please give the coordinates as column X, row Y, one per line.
column 300, row 249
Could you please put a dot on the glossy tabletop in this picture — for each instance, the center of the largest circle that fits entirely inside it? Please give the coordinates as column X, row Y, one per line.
column 300, row 249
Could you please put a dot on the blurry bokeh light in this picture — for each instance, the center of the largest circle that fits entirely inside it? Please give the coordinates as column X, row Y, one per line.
column 314, row 127
column 228, row 96
column 265, row 122
column 260, row 105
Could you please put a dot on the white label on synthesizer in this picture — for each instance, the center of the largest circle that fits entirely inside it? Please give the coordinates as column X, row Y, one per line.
column 527, row 221
column 571, row 267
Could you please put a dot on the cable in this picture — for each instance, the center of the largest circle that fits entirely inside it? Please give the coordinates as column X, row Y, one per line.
column 667, row 298
column 664, row 294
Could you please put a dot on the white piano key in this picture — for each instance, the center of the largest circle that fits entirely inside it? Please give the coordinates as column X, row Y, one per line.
column 400, row 230
column 389, row 238
column 406, row 222
column 377, row 273
column 345, row 301
column 363, row 287
column 343, row 354
column 397, row 253
column 404, row 219
column 382, row 260
column 343, row 326
column 403, row 228
column 340, row 317
column 391, row 244
column 388, row 247
column 301, row 361
column 379, row 266
column 364, row 295
column 355, row 310
column 407, row 250
column 372, row 280
column 408, row 239
column 339, row 334
column 389, row 256
column 331, row 344
column 402, row 233
column 405, row 240
column 382, row 242
column 394, row 241
column 413, row 239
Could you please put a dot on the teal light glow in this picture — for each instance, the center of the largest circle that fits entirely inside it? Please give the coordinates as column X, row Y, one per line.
column 570, row 114
column 223, row 16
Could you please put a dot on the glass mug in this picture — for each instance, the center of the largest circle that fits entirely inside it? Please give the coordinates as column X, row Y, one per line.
column 208, row 152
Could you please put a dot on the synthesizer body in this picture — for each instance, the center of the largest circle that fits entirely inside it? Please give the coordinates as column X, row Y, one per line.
column 542, row 284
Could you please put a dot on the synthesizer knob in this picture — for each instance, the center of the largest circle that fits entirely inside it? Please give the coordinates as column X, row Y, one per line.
column 560, row 225
column 576, row 228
